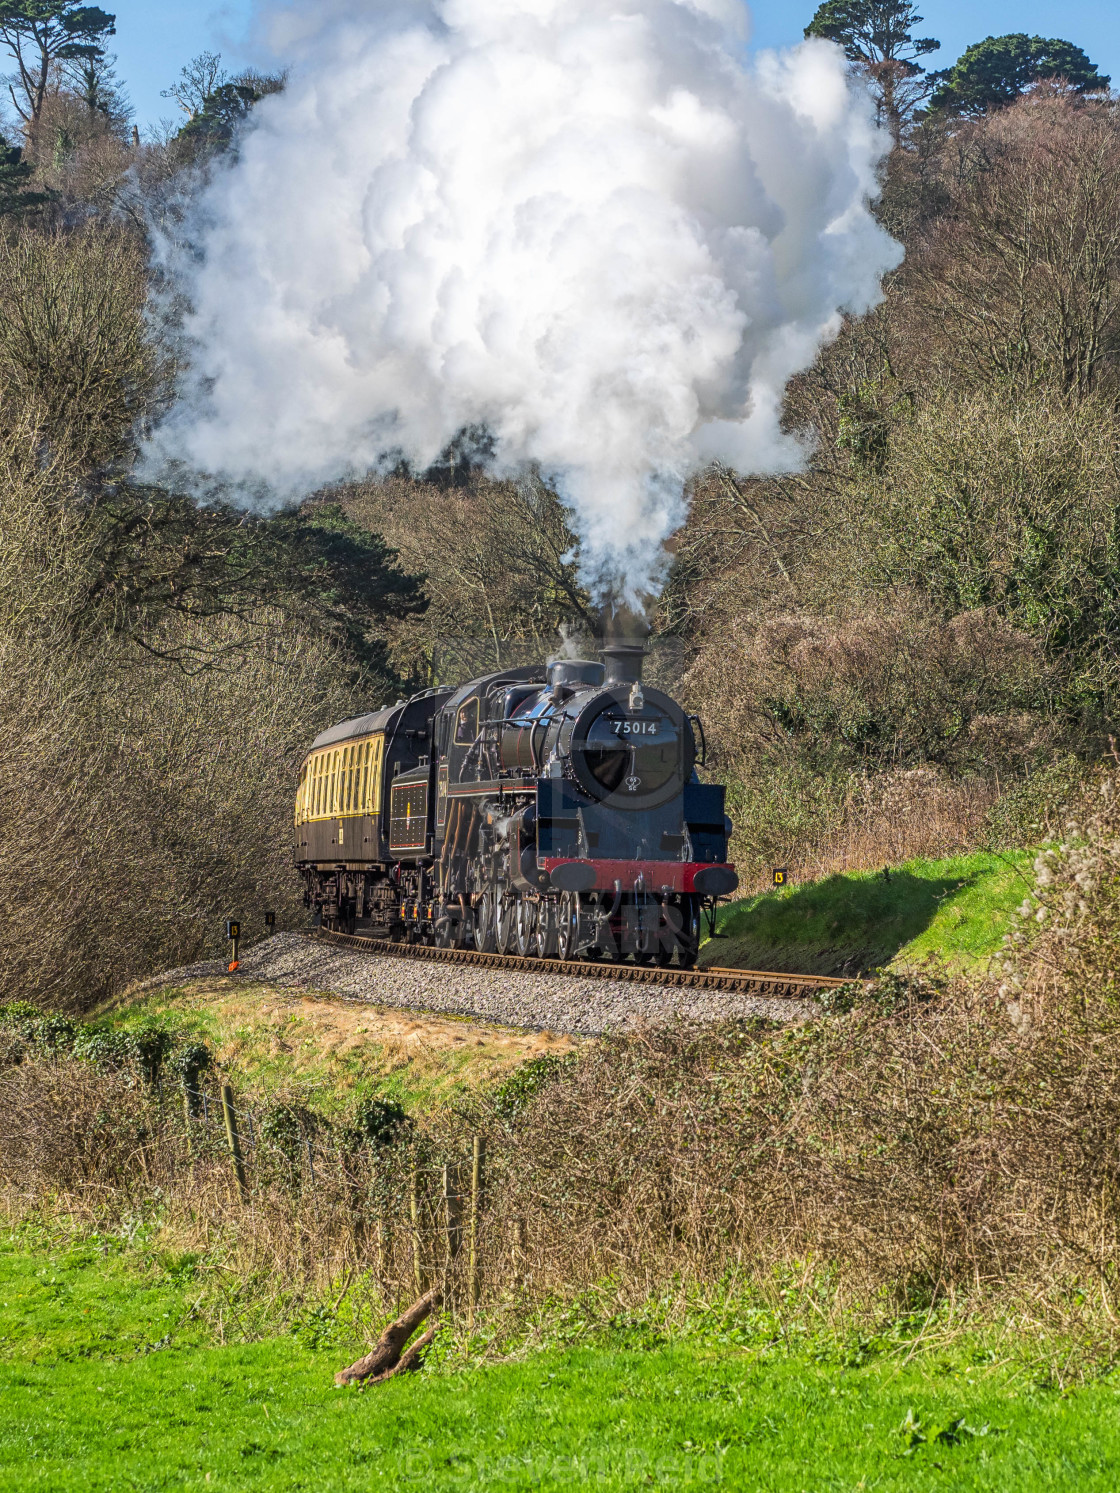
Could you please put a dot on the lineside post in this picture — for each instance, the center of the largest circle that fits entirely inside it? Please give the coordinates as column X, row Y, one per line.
column 233, row 933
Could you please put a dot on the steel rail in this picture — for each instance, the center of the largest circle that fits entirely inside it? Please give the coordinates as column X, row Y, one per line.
column 755, row 981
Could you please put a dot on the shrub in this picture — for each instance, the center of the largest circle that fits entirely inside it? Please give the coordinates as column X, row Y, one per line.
column 515, row 1093
column 380, row 1122
column 191, row 1061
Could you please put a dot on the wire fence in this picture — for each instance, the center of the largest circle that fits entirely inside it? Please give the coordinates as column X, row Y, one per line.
column 415, row 1222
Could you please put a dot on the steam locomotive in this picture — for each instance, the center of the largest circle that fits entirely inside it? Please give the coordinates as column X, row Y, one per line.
column 549, row 811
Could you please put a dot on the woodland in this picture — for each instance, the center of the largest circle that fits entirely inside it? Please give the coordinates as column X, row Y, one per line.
column 907, row 648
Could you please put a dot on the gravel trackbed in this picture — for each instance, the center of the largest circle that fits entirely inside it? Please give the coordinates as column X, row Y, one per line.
column 539, row 1002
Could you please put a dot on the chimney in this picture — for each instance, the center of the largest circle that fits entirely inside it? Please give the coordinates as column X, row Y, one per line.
column 623, row 663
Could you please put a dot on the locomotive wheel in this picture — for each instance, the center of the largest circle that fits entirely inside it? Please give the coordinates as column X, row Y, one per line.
column 442, row 928
column 505, row 922
column 567, row 929
column 526, row 926
column 688, row 949
column 546, row 940
column 485, row 939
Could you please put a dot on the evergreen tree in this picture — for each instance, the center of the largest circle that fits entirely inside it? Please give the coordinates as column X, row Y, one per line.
column 213, row 127
column 878, row 39
column 994, row 72
column 14, row 176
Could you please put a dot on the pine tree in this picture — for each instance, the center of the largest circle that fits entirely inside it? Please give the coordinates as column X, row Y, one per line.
column 15, row 173
column 996, row 71
column 878, row 39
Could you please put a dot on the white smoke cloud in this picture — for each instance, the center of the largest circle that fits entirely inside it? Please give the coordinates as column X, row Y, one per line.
column 590, row 226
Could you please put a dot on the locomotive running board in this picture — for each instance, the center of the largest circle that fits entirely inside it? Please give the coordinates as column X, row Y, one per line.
column 758, row 982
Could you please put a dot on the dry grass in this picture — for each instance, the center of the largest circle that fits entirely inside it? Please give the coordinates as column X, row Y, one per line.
column 327, row 1049
column 898, row 817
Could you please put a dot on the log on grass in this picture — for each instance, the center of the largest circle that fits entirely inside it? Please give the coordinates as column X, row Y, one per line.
column 385, row 1355
column 411, row 1359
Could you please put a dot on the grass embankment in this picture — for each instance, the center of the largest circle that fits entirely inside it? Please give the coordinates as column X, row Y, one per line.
column 332, row 1052
column 109, row 1382
column 954, row 910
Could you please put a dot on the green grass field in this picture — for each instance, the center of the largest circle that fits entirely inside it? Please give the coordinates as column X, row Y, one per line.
column 108, row 1382
column 954, row 910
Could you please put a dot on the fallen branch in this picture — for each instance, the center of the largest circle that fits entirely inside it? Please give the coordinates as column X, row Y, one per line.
column 411, row 1359
column 384, row 1358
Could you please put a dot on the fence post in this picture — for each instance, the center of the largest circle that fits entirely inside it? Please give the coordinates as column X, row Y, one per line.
column 414, row 1211
column 452, row 1220
column 234, row 1140
column 476, row 1188
column 518, row 1250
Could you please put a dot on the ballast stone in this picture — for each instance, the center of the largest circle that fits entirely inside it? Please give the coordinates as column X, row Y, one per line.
column 537, row 1002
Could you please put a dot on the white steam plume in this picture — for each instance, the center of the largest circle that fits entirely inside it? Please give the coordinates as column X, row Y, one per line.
column 588, row 226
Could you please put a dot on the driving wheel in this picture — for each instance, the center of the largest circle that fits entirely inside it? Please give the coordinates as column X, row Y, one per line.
column 546, row 930
column 505, row 922
column 526, row 926
column 567, row 926
column 485, row 940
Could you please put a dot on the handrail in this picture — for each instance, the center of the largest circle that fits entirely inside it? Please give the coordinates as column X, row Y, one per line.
column 699, row 724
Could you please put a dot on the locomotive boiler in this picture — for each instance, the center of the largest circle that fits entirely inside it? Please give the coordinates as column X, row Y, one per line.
column 553, row 810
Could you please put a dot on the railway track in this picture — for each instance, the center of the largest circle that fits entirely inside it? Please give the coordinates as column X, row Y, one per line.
column 753, row 981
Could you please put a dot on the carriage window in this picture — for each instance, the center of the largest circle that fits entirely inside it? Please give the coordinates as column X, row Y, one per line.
column 373, row 796
column 360, row 778
column 466, row 723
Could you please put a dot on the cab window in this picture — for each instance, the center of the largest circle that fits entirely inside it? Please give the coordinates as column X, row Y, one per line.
column 466, row 723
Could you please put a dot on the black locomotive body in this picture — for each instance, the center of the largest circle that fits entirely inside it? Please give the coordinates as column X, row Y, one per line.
column 552, row 810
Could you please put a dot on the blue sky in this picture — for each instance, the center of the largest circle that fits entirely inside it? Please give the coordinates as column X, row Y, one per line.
column 154, row 38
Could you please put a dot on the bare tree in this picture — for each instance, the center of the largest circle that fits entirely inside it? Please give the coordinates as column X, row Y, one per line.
column 202, row 76
column 1020, row 278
